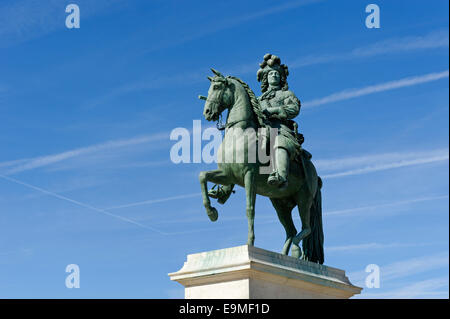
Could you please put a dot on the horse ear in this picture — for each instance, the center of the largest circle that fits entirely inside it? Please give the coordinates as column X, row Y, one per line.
column 210, row 78
column 217, row 73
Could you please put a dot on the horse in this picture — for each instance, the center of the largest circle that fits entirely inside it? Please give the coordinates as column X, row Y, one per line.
column 304, row 185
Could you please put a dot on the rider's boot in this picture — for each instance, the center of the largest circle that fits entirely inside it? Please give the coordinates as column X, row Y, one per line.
column 279, row 176
column 222, row 193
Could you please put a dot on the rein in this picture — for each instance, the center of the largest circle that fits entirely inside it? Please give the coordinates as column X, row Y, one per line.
column 227, row 125
column 219, row 124
column 217, row 102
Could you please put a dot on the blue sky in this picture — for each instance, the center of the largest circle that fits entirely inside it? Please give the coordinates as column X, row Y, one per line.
column 85, row 172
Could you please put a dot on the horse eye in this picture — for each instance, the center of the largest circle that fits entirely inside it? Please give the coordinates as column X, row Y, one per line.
column 216, row 87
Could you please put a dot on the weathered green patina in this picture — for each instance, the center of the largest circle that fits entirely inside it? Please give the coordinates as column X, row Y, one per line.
column 294, row 181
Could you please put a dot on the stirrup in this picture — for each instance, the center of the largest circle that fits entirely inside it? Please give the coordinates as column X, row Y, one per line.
column 276, row 179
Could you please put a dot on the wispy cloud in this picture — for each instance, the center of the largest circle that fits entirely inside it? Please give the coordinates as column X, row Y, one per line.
column 233, row 21
column 412, row 266
column 385, row 205
column 42, row 161
column 78, row 203
column 436, row 39
column 153, row 201
column 385, row 166
column 269, row 219
column 144, row 85
column 69, row 185
column 371, row 246
column 387, row 86
column 193, row 76
column 370, row 163
column 406, row 268
column 13, row 163
column 430, row 288
column 363, row 164
column 371, row 159
column 433, row 40
column 28, row 19
column 105, row 211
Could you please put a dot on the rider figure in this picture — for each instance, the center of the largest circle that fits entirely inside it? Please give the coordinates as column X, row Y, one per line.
column 280, row 106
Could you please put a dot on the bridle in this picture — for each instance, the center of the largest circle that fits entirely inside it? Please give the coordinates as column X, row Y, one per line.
column 217, row 102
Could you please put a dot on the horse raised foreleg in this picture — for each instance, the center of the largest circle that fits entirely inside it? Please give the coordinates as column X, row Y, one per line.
column 250, row 192
column 217, row 176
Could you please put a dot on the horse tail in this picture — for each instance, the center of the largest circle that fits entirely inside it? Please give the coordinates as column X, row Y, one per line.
column 313, row 244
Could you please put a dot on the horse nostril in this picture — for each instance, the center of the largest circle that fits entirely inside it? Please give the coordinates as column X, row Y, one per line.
column 207, row 111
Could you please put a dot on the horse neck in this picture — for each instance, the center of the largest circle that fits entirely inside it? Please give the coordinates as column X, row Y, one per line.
column 241, row 108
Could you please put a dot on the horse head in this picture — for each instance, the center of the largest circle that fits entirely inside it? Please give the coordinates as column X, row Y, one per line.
column 218, row 97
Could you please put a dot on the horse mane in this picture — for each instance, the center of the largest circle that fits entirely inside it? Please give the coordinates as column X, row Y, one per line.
column 259, row 115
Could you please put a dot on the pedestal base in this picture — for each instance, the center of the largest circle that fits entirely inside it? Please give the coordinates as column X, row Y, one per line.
column 247, row 272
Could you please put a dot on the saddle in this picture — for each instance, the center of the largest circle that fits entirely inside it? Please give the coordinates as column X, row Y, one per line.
column 296, row 138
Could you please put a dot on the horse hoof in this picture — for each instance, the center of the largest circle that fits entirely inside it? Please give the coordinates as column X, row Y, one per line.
column 213, row 214
column 285, row 250
column 296, row 251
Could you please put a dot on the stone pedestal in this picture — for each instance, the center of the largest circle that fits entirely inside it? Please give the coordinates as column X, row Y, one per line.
column 247, row 272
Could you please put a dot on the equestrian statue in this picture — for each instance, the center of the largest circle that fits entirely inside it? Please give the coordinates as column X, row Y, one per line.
column 292, row 181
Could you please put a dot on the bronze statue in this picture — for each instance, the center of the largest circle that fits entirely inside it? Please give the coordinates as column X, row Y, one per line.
column 294, row 182
column 280, row 105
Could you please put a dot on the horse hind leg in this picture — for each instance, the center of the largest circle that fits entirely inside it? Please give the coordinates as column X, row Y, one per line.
column 284, row 208
column 304, row 202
